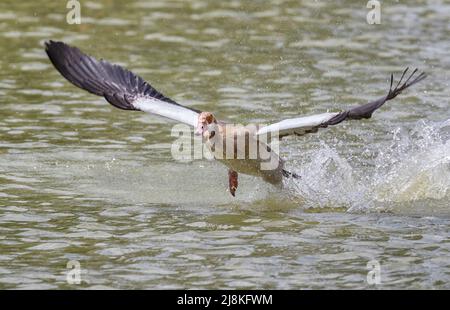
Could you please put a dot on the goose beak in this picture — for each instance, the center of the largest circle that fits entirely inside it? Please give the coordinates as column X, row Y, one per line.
column 199, row 130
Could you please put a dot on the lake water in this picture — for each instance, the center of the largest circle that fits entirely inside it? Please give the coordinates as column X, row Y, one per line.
column 82, row 181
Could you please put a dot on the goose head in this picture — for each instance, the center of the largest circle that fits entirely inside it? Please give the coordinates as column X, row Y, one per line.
column 207, row 125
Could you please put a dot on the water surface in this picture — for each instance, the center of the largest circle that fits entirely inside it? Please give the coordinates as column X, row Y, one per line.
column 80, row 180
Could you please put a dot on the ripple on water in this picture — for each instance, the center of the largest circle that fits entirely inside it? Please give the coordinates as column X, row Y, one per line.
column 83, row 181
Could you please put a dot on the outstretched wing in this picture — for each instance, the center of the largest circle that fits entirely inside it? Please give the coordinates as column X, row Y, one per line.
column 303, row 125
column 120, row 87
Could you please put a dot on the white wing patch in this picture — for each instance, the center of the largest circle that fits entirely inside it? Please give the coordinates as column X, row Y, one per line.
column 168, row 110
column 298, row 126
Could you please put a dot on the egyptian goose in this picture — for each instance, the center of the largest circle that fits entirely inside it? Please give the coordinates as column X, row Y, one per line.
column 127, row 91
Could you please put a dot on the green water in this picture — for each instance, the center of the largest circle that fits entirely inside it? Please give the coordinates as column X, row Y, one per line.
column 80, row 180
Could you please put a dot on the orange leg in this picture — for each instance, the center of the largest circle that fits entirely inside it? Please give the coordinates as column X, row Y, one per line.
column 232, row 181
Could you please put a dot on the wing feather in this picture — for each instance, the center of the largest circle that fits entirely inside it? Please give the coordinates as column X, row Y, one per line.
column 308, row 124
column 120, row 87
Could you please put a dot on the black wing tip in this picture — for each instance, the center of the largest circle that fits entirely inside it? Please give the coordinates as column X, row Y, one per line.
column 289, row 174
column 57, row 51
column 366, row 110
column 118, row 85
column 406, row 84
column 51, row 45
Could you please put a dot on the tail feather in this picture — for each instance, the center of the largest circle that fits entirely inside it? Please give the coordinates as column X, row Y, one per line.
column 288, row 174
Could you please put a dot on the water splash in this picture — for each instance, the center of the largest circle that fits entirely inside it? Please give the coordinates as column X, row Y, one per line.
column 410, row 169
column 417, row 166
column 327, row 179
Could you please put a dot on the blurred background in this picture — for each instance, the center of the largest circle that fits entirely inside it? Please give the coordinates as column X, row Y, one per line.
column 80, row 180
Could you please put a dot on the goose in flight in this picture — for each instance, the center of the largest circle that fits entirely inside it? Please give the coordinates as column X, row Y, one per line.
column 125, row 90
